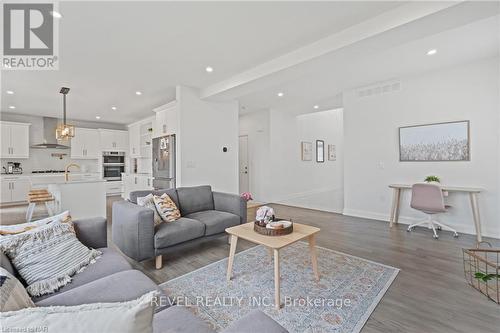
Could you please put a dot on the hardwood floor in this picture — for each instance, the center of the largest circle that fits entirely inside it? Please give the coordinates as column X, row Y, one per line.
column 429, row 295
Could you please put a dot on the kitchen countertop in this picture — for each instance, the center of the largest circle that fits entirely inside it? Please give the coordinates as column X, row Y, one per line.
column 46, row 174
column 79, row 181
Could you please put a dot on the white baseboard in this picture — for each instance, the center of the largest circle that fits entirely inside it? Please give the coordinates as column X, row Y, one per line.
column 308, row 202
column 409, row 220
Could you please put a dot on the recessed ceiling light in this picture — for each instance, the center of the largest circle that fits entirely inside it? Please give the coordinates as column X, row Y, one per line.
column 113, row 108
column 55, row 14
column 12, row 107
column 432, row 52
column 316, row 106
column 280, row 94
column 97, row 117
column 10, row 92
column 209, row 69
column 138, row 93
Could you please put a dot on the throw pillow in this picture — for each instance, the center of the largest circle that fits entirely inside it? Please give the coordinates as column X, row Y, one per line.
column 48, row 256
column 148, row 202
column 120, row 317
column 166, row 208
column 13, row 296
column 23, row 227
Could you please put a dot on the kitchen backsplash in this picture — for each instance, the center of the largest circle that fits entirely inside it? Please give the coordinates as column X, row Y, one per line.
column 42, row 159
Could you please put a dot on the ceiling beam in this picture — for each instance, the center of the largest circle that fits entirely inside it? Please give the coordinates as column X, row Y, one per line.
column 391, row 19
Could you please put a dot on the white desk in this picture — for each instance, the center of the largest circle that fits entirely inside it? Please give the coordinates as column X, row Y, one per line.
column 472, row 191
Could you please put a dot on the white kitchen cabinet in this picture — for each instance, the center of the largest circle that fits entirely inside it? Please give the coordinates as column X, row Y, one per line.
column 114, row 140
column 166, row 120
column 15, row 189
column 134, row 140
column 136, row 182
column 15, row 140
column 114, row 187
column 85, row 144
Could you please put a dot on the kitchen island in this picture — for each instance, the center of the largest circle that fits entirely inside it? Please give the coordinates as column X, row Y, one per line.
column 83, row 198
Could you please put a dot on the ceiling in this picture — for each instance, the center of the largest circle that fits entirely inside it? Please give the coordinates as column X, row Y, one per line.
column 109, row 50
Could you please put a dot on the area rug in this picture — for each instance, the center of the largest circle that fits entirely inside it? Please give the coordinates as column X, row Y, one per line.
column 348, row 291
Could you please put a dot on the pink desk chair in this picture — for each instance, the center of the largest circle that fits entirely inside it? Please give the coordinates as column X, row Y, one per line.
column 428, row 198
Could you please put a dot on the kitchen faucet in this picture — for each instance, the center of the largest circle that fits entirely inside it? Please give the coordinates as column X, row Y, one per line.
column 66, row 170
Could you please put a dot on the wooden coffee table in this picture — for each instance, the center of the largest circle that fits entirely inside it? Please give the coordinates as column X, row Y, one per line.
column 274, row 244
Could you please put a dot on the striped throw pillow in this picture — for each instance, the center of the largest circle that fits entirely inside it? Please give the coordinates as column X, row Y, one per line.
column 48, row 256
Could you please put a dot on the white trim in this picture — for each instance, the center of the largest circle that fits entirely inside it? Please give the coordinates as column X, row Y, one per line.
column 410, row 220
column 4, row 122
column 164, row 107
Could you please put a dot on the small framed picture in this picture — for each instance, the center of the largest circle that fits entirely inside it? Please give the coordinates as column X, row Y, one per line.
column 332, row 153
column 320, row 151
column 306, row 151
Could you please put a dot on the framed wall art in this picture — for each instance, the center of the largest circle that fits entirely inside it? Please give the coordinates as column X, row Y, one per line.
column 320, row 151
column 448, row 141
column 306, row 151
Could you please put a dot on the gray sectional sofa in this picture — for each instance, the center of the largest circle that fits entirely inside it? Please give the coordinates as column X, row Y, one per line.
column 112, row 279
column 204, row 214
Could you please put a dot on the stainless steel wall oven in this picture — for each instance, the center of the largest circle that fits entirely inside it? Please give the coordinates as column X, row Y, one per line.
column 113, row 164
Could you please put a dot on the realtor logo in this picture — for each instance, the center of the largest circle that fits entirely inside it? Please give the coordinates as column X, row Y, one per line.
column 29, row 32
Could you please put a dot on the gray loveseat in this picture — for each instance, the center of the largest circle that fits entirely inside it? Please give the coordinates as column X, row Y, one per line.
column 204, row 214
column 112, row 279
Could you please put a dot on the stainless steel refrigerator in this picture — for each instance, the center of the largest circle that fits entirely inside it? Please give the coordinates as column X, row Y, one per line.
column 164, row 162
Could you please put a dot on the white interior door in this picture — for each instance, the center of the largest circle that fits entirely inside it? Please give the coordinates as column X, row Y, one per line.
column 243, row 163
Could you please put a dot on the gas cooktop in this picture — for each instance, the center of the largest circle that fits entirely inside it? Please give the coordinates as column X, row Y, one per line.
column 48, row 171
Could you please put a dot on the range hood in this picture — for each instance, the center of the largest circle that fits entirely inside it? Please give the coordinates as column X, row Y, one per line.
column 49, row 135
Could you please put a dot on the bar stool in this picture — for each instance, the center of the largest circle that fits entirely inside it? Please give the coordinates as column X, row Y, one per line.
column 38, row 196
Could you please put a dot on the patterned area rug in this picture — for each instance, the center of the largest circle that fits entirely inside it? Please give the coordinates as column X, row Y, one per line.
column 347, row 293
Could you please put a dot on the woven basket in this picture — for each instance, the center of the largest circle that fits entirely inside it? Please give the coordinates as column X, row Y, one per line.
column 272, row 232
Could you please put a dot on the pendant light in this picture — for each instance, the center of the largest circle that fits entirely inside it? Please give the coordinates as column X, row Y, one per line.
column 64, row 131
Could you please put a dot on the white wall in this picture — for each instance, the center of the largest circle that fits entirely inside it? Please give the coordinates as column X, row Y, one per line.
column 277, row 173
column 256, row 126
column 205, row 128
column 307, row 183
column 468, row 92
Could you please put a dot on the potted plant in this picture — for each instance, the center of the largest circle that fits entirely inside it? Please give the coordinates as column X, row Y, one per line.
column 432, row 180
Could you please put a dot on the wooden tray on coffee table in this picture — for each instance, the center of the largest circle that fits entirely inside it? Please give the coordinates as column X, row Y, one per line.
column 273, row 232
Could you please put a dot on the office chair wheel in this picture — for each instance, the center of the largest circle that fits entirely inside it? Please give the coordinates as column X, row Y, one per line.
column 410, row 229
column 435, row 236
column 455, row 235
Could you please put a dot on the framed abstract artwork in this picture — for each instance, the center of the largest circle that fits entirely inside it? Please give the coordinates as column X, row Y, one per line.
column 306, row 151
column 320, row 151
column 438, row 142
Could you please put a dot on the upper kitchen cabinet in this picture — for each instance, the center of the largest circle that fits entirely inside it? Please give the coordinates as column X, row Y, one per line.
column 140, row 138
column 166, row 122
column 15, row 140
column 134, row 140
column 85, row 144
column 114, row 140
